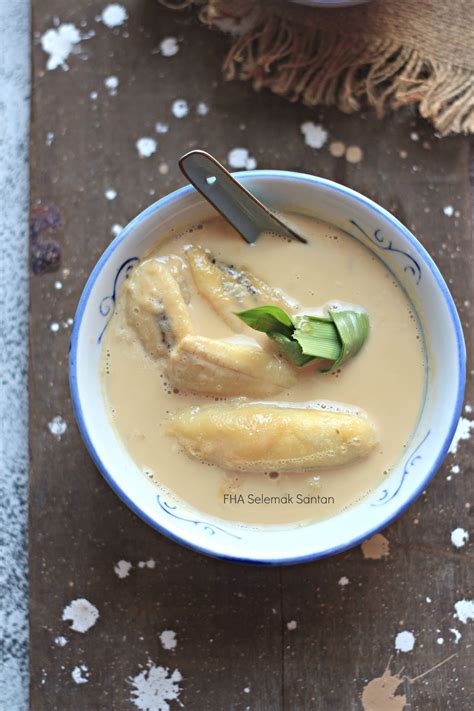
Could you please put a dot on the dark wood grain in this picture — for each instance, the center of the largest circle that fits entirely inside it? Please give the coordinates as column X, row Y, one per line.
column 234, row 650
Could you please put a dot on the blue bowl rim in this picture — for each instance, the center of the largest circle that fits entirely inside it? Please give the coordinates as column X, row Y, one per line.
column 274, row 174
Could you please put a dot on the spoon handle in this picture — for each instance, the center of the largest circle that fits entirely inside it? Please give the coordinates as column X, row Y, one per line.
column 239, row 207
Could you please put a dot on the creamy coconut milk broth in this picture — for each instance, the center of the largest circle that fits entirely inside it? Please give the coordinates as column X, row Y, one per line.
column 386, row 378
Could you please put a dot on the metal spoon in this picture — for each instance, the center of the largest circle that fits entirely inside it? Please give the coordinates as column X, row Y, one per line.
column 229, row 197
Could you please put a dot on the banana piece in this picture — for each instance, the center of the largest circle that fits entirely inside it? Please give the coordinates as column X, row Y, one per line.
column 218, row 367
column 155, row 305
column 228, row 289
column 264, row 437
column 158, row 311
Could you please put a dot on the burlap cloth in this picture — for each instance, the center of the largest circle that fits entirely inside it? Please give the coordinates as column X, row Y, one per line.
column 387, row 53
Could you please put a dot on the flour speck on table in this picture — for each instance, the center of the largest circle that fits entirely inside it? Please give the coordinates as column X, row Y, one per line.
column 113, row 15
column 146, row 146
column 82, row 614
column 240, row 158
column 153, row 688
column 405, row 641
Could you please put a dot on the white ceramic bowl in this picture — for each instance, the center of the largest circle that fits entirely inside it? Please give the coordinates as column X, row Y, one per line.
column 416, row 273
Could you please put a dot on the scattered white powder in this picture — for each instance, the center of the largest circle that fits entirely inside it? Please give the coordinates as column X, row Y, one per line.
column 114, row 15
column 147, row 563
column 404, row 641
column 82, row 614
column 343, row 581
column 161, row 127
column 168, row 639
column 202, row 109
column 59, row 43
column 463, row 431
column 116, row 229
column 80, row 674
column 169, row 47
column 247, row 690
column 180, row 108
column 49, row 138
column 111, row 84
column 448, row 210
column 146, row 147
column 455, row 469
column 459, row 537
column 440, row 640
column 57, row 426
column 464, row 610
column 456, row 633
column 154, row 687
column 93, row 95
column 58, row 285
column 315, row 136
column 468, row 408
column 110, row 194
column 292, row 625
column 429, row 600
column 122, row 568
column 240, row 158
column 60, row 641
column 54, row 327
column 414, row 136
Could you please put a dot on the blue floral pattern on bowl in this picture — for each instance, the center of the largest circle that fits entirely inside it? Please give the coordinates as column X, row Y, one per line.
column 106, row 306
column 381, row 242
column 411, row 461
column 210, row 528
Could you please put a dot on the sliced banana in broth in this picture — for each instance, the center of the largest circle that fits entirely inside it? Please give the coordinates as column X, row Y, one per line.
column 218, row 367
column 158, row 311
column 228, row 289
column 155, row 304
column 264, row 437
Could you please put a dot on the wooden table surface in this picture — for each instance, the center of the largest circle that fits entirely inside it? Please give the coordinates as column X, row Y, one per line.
column 276, row 639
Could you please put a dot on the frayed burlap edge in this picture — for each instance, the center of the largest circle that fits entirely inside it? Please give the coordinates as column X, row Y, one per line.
column 326, row 68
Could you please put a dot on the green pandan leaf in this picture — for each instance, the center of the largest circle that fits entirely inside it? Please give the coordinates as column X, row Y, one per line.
column 266, row 319
column 290, row 349
column 353, row 329
column 318, row 338
column 336, row 337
